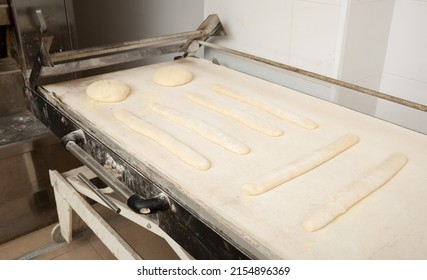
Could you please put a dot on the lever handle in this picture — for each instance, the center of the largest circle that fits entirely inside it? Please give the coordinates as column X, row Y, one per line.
column 41, row 21
column 135, row 202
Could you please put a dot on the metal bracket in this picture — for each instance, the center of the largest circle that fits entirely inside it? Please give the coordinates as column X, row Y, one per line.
column 69, row 195
column 41, row 21
column 42, row 59
column 211, row 26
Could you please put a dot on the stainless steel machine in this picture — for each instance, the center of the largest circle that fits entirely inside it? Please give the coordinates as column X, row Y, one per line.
column 167, row 157
column 28, row 149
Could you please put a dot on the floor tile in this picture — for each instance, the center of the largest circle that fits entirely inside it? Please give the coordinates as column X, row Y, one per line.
column 22, row 245
column 86, row 245
column 85, row 252
column 100, row 248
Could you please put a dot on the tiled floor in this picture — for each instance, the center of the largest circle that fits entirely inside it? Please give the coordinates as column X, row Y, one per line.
column 86, row 245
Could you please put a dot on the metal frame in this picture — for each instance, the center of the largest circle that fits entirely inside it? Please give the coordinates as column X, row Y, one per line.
column 182, row 222
column 134, row 201
column 70, row 191
column 207, row 242
column 327, row 79
column 64, row 62
column 53, row 17
column 114, row 54
column 118, row 53
column 209, row 239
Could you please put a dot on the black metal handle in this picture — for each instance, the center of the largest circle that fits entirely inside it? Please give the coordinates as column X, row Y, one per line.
column 146, row 206
column 135, row 202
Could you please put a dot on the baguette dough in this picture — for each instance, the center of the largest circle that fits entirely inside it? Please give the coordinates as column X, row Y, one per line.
column 172, row 76
column 209, row 132
column 355, row 192
column 164, row 139
column 299, row 166
column 240, row 116
column 108, row 91
column 267, row 107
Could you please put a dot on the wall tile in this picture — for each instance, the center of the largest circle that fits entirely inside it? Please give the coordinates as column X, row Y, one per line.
column 261, row 27
column 366, row 40
column 358, row 101
column 404, row 88
column 405, row 67
column 406, row 53
column 314, row 36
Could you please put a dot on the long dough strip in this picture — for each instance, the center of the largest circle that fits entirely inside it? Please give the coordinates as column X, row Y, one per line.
column 242, row 117
column 355, row 192
column 299, row 166
column 267, row 107
column 207, row 131
column 164, row 139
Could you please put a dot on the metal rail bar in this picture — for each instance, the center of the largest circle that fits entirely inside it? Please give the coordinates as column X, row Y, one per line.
column 137, row 203
column 132, row 45
column 96, row 191
column 340, row 83
column 98, row 62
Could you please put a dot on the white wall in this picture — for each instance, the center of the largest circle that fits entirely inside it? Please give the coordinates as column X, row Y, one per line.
column 252, row 28
column 405, row 68
column 364, row 47
column 301, row 33
column 314, row 38
column 379, row 44
column 298, row 32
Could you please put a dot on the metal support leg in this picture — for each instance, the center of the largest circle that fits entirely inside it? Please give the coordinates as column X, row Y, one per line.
column 68, row 198
column 65, row 214
column 72, row 181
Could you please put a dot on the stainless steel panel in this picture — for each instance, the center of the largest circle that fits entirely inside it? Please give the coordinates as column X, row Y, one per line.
column 27, row 27
column 26, row 198
column 27, row 151
column 18, row 128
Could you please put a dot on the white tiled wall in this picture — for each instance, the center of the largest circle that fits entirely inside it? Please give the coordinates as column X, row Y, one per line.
column 295, row 32
column 405, row 67
column 379, row 44
column 366, row 40
column 364, row 45
column 406, row 53
column 258, row 27
column 406, row 59
column 314, row 36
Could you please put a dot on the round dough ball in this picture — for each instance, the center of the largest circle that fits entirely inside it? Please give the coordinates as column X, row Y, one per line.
column 108, row 91
column 172, row 76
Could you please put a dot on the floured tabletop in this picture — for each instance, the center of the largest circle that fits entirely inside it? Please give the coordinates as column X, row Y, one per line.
column 269, row 130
